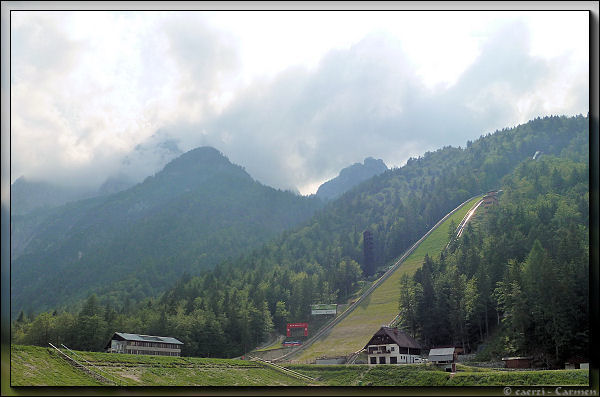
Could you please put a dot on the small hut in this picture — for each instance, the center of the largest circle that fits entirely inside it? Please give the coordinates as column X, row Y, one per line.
column 444, row 356
column 517, row 362
column 577, row 362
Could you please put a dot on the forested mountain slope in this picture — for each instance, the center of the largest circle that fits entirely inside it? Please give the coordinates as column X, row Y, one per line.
column 199, row 210
column 232, row 308
column 525, row 265
column 400, row 205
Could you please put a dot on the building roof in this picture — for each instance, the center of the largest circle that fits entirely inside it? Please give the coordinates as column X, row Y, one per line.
column 398, row 337
column 144, row 338
column 441, row 351
column 446, row 357
column 442, row 354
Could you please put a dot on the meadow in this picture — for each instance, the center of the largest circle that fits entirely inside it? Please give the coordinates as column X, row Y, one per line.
column 40, row 366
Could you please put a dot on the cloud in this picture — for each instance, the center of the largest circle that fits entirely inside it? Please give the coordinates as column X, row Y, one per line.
column 169, row 83
column 42, row 121
column 207, row 61
column 88, row 88
column 40, row 49
column 304, row 126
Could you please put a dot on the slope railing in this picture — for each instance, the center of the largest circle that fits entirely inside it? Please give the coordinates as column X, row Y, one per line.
column 89, row 363
column 82, row 367
column 286, row 371
column 352, row 357
column 373, row 286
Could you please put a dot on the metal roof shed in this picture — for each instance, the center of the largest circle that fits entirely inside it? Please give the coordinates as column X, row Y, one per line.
column 441, row 354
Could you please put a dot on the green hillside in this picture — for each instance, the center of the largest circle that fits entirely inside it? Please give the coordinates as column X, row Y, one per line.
column 38, row 366
column 524, row 260
column 196, row 212
column 522, row 268
column 381, row 306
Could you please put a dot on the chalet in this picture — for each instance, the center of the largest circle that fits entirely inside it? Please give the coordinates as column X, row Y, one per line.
column 121, row 342
column 392, row 346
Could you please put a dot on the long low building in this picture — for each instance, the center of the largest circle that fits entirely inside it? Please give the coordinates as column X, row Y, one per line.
column 122, row 342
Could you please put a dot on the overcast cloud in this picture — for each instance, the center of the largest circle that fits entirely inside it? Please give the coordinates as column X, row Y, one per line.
column 98, row 93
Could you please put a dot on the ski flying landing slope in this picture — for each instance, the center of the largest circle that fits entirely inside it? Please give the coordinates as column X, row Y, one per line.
column 381, row 306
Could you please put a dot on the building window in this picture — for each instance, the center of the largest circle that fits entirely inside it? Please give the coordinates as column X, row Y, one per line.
column 373, row 360
column 392, row 348
column 381, row 360
column 393, row 360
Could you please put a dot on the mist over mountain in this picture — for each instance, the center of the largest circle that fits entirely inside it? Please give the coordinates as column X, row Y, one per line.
column 115, row 184
column 199, row 210
column 350, row 177
column 149, row 157
column 145, row 159
column 26, row 195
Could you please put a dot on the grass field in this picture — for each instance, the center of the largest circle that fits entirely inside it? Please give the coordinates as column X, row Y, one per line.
column 39, row 366
column 36, row 366
column 381, row 306
column 427, row 375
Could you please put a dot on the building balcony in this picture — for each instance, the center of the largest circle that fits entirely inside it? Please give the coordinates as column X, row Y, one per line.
column 379, row 351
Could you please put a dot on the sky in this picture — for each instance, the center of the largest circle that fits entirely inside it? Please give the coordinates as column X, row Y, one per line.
column 293, row 97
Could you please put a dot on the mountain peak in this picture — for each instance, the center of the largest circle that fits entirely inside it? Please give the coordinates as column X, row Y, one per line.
column 350, row 177
column 200, row 154
column 202, row 162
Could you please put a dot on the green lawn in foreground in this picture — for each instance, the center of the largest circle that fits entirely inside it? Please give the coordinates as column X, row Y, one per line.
column 40, row 366
column 428, row 375
column 381, row 306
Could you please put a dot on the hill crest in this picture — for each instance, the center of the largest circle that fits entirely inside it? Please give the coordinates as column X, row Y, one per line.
column 350, row 177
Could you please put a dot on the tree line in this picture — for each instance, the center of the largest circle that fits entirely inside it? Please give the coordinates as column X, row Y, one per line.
column 521, row 271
